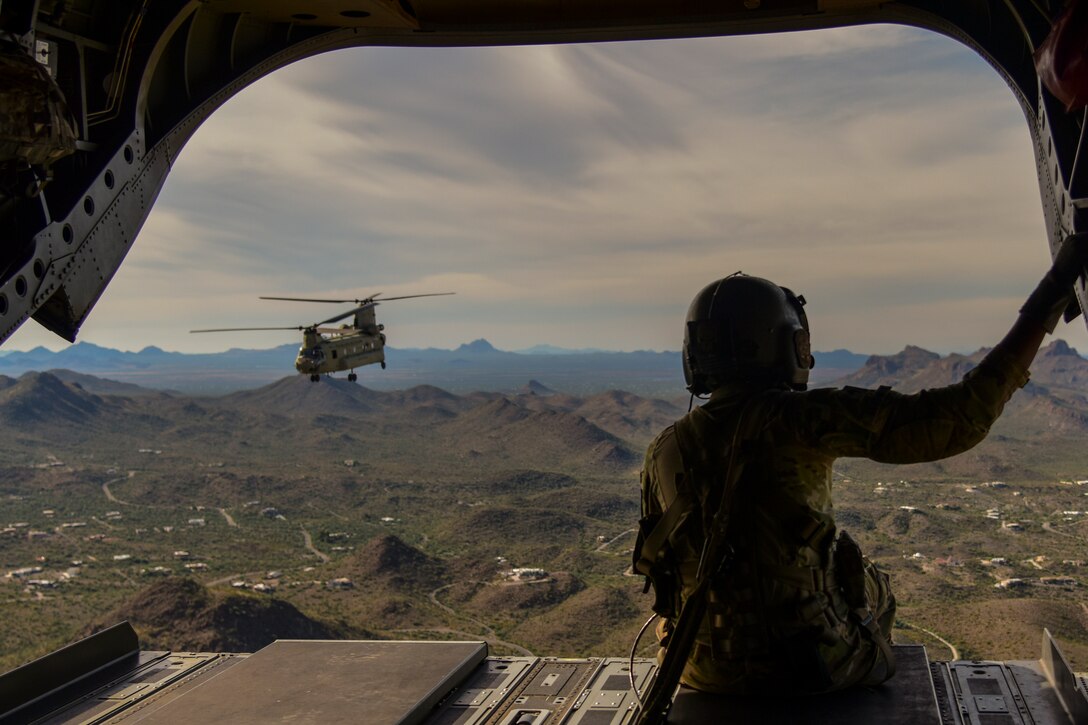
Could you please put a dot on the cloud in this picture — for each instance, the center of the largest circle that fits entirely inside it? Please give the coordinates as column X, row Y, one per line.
column 581, row 195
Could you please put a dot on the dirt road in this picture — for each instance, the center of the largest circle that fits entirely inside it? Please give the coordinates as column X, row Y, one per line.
column 614, row 539
column 934, row 635
column 109, row 494
column 309, row 543
column 490, row 634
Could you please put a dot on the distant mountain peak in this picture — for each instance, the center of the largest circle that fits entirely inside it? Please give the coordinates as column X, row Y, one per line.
column 1058, row 348
column 47, row 383
column 915, row 351
column 909, row 357
column 477, row 346
column 84, row 345
column 34, row 377
column 535, row 387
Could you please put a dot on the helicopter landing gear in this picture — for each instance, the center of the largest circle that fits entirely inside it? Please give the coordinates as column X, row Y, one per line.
column 352, row 377
column 314, row 377
column 383, row 364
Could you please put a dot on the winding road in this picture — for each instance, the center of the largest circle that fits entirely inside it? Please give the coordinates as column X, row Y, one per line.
column 490, row 635
column 226, row 515
column 309, row 542
column 109, row 494
column 934, row 635
column 615, row 538
column 100, row 521
column 1047, row 526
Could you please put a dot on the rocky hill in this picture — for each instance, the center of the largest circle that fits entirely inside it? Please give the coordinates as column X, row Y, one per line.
column 102, row 386
column 1060, row 366
column 43, row 397
column 181, row 614
column 341, row 420
column 296, row 396
column 387, row 561
column 897, row 370
column 627, row 415
column 504, row 426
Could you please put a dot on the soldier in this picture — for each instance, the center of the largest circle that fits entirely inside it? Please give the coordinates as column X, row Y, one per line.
column 789, row 597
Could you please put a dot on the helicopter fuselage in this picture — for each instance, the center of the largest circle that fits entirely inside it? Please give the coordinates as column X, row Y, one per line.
column 351, row 349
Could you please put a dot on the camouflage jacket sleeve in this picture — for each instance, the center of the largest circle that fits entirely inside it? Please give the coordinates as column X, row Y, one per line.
column 896, row 428
column 659, row 471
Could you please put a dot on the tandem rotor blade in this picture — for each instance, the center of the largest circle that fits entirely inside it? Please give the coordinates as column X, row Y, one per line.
column 363, row 301
column 247, row 329
column 311, row 299
column 349, row 313
column 408, row 297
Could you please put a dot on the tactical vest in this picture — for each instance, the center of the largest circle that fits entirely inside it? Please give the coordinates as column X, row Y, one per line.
column 768, row 616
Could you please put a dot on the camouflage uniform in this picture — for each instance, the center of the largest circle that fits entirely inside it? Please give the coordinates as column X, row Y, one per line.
column 784, row 609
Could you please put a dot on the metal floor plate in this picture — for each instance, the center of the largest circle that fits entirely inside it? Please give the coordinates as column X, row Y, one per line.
column 906, row 699
column 455, row 683
column 379, row 683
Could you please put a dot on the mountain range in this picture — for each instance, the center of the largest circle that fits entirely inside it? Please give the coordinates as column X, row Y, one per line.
column 417, row 494
column 529, row 427
column 476, row 365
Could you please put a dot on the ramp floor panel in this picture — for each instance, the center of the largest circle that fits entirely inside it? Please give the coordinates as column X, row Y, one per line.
column 906, row 699
column 379, row 683
column 455, row 683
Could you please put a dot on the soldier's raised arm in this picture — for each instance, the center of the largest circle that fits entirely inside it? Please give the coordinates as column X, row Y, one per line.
column 1046, row 304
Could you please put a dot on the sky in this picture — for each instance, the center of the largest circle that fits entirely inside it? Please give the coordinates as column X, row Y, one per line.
column 581, row 195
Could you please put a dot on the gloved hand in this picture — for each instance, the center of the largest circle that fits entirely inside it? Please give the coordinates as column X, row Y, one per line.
column 1055, row 291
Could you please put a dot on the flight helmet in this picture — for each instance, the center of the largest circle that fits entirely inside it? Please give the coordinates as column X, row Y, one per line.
column 746, row 329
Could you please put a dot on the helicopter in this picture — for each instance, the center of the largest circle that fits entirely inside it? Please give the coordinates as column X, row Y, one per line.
column 327, row 350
